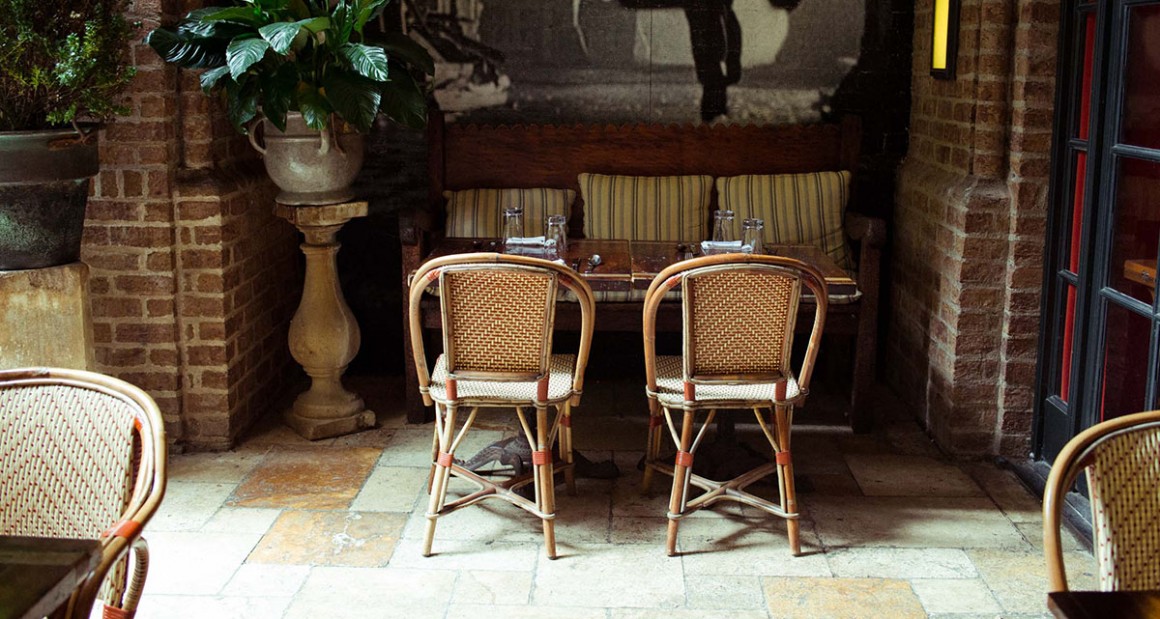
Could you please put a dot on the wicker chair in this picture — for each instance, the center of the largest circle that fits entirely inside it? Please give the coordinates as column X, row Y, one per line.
column 739, row 317
column 1122, row 459
column 83, row 456
column 498, row 318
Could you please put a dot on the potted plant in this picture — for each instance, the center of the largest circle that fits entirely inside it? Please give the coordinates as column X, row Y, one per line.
column 63, row 65
column 314, row 77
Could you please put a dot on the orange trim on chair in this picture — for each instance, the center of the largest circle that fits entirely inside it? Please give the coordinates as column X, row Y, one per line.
column 684, row 458
column 112, row 612
column 690, row 392
column 432, row 276
column 783, row 458
column 127, row 529
column 444, row 459
column 655, row 421
column 779, row 390
column 542, row 390
column 452, row 389
column 566, row 421
column 540, row 458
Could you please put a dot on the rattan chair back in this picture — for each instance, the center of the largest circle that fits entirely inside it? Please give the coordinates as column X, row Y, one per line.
column 82, row 455
column 1122, row 460
column 497, row 320
column 740, row 311
column 738, row 321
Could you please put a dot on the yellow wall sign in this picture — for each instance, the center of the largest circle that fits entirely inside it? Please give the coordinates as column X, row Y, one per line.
column 944, row 41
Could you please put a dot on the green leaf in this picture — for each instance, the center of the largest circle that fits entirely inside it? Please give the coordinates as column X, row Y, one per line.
column 404, row 101
column 365, row 10
column 314, row 107
column 343, row 19
column 243, row 53
column 298, row 9
column 241, row 104
column 369, row 61
column 353, row 97
column 191, row 52
column 280, row 35
column 210, row 78
column 403, row 47
column 278, row 94
column 316, row 24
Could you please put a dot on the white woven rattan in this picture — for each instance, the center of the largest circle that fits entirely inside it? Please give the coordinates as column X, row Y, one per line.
column 505, row 393
column 1122, row 460
column 671, row 385
column 82, row 455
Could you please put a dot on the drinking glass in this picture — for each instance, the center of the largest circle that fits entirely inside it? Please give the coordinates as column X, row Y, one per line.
column 751, row 230
column 513, row 223
column 723, row 226
column 556, row 235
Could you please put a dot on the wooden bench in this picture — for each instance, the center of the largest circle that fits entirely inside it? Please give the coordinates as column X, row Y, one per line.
column 468, row 157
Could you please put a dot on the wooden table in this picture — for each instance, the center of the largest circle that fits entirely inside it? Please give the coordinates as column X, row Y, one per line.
column 628, row 265
column 39, row 574
column 1102, row 604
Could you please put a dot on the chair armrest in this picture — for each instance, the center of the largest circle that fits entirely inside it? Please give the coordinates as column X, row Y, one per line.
column 866, row 230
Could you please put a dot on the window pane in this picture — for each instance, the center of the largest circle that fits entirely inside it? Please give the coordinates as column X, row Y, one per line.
column 1142, row 78
column 1137, row 230
column 1125, row 362
column 1087, row 34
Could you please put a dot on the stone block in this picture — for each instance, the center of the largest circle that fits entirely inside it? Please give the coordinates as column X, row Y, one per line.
column 46, row 318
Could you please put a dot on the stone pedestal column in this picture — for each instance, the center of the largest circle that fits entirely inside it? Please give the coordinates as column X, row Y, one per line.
column 324, row 336
column 45, row 317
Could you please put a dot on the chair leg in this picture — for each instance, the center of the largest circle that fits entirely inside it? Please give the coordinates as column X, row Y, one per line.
column 566, row 447
column 653, row 446
column 785, row 475
column 434, row 454
column 681, row 468
column 545, row 481
column 442, row 470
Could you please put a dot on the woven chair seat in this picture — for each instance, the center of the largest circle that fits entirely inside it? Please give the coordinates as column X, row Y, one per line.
column 671, row 387
column 500, row 393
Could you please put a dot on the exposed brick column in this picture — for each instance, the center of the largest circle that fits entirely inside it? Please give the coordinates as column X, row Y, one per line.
column 969, row 213
column 194, row 279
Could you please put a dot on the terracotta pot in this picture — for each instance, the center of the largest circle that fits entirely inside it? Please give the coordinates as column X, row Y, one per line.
column 44, row 188
column 310, row 167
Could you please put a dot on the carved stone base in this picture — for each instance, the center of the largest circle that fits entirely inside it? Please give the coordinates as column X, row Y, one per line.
column 313, row 429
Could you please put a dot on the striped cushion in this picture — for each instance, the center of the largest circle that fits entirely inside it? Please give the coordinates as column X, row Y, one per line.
column 645, row 208
column 479, row 212
column 797, row 208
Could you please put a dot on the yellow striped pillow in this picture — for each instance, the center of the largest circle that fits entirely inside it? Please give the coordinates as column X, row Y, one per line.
column 645, row 208
column 802, row 209
column 479, row 212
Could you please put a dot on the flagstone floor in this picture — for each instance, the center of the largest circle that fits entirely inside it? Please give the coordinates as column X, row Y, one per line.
column 281, row 527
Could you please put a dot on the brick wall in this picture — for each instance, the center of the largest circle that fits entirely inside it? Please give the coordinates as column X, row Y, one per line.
column 969, row 227
column 193, row 278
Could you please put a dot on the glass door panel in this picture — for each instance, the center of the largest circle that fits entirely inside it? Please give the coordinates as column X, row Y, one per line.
column 1125, row 367
column 1142, row 78
column 1136, row 230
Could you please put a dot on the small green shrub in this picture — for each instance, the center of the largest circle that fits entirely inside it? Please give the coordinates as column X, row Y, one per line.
column 62, row 60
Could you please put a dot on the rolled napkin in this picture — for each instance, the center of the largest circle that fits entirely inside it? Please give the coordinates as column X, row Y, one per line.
column 720, row 247
column 525, row 241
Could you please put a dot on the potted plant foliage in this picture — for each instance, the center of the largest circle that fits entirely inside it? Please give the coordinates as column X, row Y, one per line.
column 63, row 65
column 312, row 74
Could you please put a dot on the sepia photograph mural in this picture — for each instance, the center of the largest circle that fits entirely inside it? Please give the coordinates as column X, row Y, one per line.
column 559, row 61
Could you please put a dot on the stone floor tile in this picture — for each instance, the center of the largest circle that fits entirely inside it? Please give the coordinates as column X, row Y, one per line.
column 195, row 563
column 750, row 547
column 492, row 520
column 831, row 484
column 491, row 587
column 638, row 576
column 242, row 520
column 476, row 554
column 411, row 445
column 339, row 538
column 648, row 613
column 913, row 522
column 475, row 611
column 1033, row 533
column 907, row 438
column 306, row 478
column 218, row 607
column 1019, row 579
column 228, row 467
column 369, row 593
column 902, row 563
column 713, row 592
column 189, row 505
column 955, row 596
column 848, row 598
column 1004, row 487
column 899, row 475
column 270, row 431
column 393, row 489
column 376, row 437
column 266, row 580
column 629, row 432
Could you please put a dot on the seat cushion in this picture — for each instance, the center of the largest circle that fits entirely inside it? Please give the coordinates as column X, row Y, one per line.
column 521, row 393
column 671, row 387
column 479, row 212
column 805, row 209
column 645, row 208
